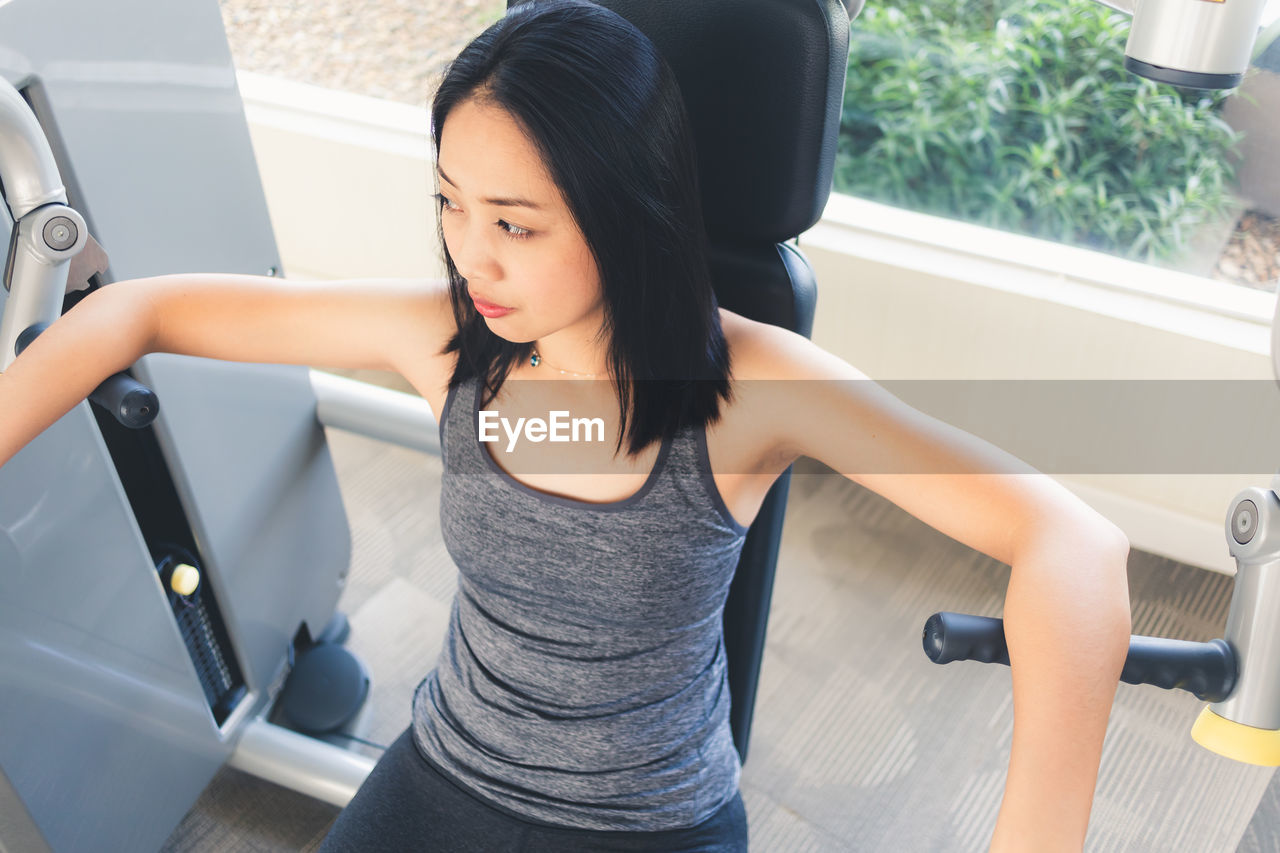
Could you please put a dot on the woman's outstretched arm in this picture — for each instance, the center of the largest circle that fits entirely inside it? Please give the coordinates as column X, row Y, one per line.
column 1066, row 614
column 383, row 324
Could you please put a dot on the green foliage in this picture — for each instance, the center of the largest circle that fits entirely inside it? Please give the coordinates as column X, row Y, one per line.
column 1020, row 115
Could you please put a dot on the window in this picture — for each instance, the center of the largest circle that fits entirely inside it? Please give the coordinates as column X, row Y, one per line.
column 1020, row 115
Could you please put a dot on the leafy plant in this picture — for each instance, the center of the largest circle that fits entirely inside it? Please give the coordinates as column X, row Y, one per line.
column 1020, row 115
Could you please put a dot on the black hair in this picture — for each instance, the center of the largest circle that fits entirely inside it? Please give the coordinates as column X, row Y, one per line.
column 604, row 110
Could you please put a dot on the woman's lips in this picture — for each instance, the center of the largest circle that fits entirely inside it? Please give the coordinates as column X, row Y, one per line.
column 488, row 309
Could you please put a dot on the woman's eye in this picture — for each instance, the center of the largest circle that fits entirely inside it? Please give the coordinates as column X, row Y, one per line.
column 514, row 231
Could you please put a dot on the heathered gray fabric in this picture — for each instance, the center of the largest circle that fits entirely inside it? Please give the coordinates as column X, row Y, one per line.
column 582, row 680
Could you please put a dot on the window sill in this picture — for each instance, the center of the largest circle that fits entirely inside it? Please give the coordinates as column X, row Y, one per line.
column 1212, row 311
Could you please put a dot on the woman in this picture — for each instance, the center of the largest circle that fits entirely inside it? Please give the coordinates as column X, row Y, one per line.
column 580, row 700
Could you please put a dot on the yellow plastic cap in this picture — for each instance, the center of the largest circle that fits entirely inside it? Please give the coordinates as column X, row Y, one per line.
column 1236, row 740
column 185, row 579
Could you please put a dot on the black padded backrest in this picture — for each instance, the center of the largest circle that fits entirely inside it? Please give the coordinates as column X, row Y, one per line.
column 763, row 82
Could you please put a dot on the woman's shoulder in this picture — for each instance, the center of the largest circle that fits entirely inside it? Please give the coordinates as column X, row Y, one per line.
column 777, row 373
column 762, row 350
column 758, row 358
column 750, row 437
column 426, row 324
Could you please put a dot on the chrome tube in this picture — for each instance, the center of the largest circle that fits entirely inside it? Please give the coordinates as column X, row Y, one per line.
column 1253, row 536
column 27, row 166
column 390, row 416
column 48, row 234
column 300, row 763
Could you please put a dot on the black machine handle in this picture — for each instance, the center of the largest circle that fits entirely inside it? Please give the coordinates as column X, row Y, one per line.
column 1206, row 669
column 133, row 404
column 959, row 636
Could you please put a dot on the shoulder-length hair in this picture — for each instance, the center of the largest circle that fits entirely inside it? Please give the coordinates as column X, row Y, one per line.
column 604, row 110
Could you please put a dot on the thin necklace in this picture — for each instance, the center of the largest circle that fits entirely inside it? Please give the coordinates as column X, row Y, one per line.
column 536, row 359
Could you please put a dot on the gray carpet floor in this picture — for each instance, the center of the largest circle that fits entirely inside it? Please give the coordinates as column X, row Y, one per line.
column 859, row 742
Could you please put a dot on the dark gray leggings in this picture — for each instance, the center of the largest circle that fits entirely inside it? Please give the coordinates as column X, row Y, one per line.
column 406, row 804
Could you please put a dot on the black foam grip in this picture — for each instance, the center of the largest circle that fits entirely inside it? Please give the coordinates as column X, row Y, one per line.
column 1207, row 670
column 133, row 404
column 959, row 636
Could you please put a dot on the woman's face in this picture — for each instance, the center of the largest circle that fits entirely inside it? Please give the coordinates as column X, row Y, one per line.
column 509, row 232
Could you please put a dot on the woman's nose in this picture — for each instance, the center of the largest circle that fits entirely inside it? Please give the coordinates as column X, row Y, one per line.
column 471, row 253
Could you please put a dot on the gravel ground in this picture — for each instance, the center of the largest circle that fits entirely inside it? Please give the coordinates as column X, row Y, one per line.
column 395, row 49
column 1252, row 257
column 392, row 49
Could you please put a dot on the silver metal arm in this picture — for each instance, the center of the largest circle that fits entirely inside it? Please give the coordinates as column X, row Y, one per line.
column 47, row 233
column 380, row 413
column 300, row 763
column 30, row 174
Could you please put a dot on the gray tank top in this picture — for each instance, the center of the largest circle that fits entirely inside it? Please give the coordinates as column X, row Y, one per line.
column 582, row 681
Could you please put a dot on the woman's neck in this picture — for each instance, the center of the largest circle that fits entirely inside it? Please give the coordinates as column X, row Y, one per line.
column 564, row 359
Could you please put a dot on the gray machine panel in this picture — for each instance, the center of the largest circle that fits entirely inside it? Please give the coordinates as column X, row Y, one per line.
column 101, row 717
column 105, row 732
column 246, row 451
